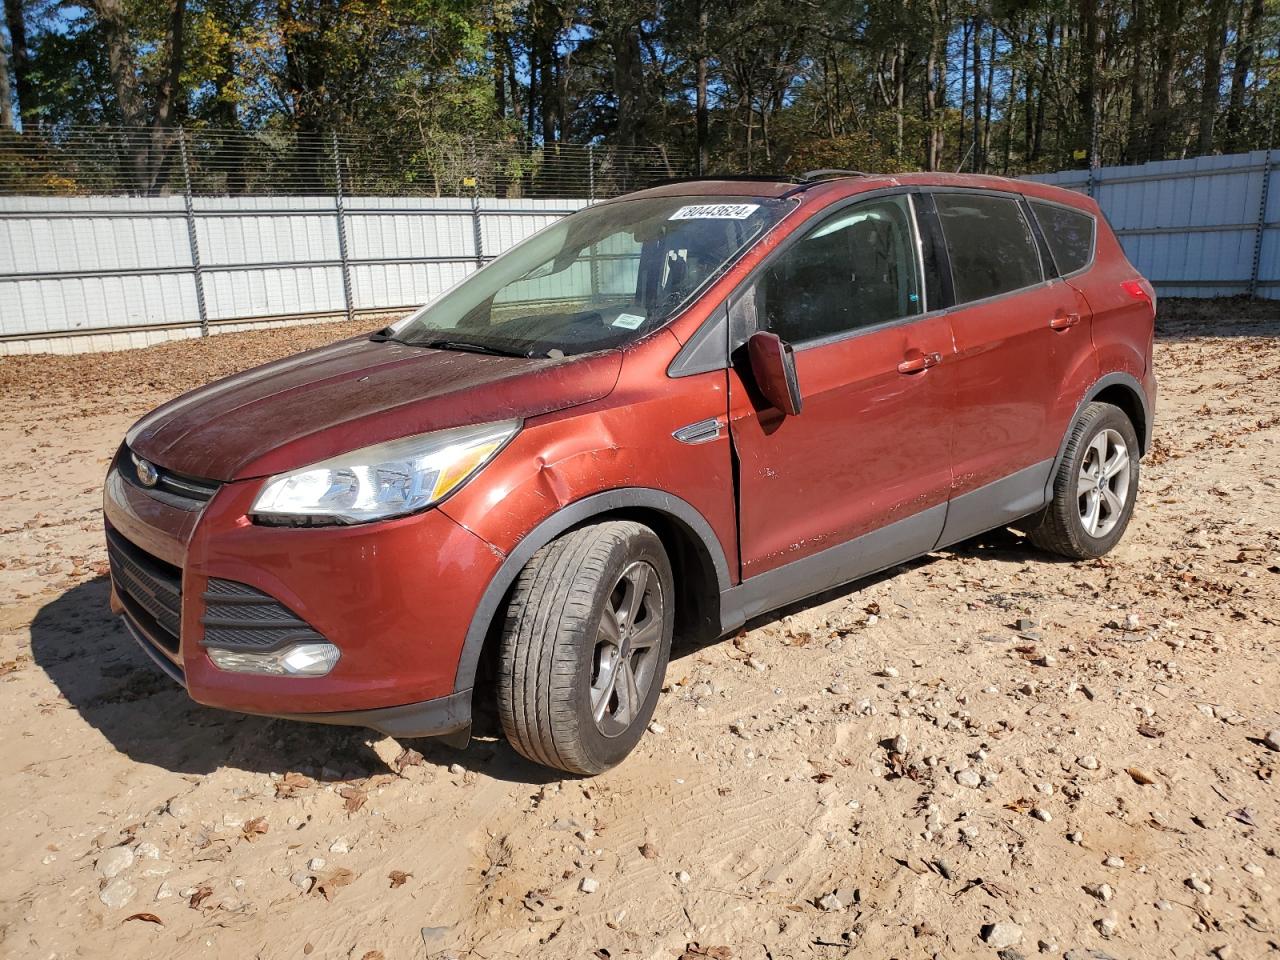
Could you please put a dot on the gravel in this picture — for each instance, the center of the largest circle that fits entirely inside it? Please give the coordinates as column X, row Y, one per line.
column 114, row 862
column 117, row 893
column 1001, row 935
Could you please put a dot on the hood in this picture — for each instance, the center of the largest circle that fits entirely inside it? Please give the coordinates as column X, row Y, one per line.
column 354, row 393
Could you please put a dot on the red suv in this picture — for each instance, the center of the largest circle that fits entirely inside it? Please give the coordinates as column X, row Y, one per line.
column 663, row 415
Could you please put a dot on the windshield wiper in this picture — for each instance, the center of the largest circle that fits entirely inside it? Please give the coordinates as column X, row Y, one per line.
column 469, row 347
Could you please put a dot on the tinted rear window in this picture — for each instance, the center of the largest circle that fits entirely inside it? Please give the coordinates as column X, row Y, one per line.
column 1069, row 234
column 990, row 244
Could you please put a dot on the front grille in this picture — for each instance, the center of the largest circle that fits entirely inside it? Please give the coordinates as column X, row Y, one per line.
column 238, row 617
column 149, row 589
column 175, row 489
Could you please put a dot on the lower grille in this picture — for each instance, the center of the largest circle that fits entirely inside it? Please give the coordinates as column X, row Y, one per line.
column 149, row 589
column 238, row 617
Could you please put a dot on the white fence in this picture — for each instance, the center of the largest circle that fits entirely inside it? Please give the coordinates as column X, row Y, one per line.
column 95, row 273
column 1207, row 227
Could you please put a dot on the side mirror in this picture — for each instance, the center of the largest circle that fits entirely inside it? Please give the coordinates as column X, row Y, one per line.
column 773, row 364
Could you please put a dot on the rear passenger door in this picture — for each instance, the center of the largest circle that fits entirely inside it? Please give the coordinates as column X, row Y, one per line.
column 1022, row 342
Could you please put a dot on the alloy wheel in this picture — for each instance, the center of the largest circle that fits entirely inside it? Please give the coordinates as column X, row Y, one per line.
column 1102, row 489
column 627, row 648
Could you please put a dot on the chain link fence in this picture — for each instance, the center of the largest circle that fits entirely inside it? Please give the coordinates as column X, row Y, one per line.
column 118, row 236
column 205, row 161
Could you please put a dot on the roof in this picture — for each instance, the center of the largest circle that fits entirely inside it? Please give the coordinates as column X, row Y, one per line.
column 828, row 182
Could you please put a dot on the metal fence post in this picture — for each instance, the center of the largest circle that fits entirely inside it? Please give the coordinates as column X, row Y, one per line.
column 342, row 228
column 1094, row 160
column 591, row 172
column 1261, row 228
column 192, row 239
column 477, row 229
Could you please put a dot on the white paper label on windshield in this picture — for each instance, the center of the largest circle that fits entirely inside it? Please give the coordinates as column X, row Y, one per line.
column 628, row 321
column 716, row 211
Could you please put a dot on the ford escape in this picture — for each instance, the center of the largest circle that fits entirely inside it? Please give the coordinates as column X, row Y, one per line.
column 660, row 416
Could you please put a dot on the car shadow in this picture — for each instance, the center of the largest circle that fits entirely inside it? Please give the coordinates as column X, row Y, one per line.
column 113, row 685
column 104, row 675
column 1005, row 544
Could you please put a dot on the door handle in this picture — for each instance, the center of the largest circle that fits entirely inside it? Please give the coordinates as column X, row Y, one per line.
column 920, row 363
column 1064, row 321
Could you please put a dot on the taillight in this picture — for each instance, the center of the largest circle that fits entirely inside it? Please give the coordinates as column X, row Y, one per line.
column 1137, row 289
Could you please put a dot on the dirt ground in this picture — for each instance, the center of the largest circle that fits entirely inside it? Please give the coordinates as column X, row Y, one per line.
column 1072, row 753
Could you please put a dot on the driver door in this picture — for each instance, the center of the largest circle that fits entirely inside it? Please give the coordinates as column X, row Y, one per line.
column 860, row 478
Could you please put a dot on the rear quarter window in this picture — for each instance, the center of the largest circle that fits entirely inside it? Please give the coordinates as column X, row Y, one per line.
column 1069, row 233
column 990, row 244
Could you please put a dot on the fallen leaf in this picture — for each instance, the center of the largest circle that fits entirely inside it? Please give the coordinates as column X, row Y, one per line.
column 291, row 783
column 649, row 851
column 408, row 758
column 203, row 893
column 254, row 828
column 1140, row 777
column 148, row 917
column 397, row 878
column 696, row 952
column 331, row 882
column 374, row 955
column 355, row 798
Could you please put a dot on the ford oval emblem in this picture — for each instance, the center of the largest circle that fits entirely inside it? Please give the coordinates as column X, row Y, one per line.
column 147, row 473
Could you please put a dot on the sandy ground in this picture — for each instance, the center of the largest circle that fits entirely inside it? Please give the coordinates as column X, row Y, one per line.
column 803, row 793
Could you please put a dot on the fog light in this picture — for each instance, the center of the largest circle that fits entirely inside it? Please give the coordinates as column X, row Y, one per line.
column 297, row 660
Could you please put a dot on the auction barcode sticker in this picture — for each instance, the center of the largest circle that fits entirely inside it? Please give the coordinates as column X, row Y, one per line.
column 716, row 211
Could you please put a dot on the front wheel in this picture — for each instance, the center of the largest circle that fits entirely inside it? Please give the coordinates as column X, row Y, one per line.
column 585, row 645
column 1095, row 487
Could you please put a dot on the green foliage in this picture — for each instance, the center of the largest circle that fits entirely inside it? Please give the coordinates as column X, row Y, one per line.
column 879, row 84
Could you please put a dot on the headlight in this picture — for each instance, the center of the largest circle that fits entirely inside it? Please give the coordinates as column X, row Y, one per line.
column 382, row 481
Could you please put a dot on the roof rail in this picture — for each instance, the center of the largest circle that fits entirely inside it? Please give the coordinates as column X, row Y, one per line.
column 827, row 174
column 743, row 177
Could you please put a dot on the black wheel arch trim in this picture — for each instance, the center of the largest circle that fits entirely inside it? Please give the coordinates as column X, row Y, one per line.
column 572, row 515
column 1130, row 382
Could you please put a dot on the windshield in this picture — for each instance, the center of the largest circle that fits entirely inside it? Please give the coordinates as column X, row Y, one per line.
column 594, row 280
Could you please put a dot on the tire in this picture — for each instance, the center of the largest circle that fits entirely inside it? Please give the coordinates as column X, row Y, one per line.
column 563, row 696
column 1068, row 525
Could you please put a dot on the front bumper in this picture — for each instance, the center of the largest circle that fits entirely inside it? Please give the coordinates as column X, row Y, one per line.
column 395, row 597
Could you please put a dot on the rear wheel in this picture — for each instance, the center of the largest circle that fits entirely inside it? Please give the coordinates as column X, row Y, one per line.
column 585, row 645
column 1095, row 487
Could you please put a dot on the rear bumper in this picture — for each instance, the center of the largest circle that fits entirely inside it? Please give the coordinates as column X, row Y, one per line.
column 396, row 598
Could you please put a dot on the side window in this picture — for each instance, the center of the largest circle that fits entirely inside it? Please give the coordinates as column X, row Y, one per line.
column 855, row 269
column 1069, row 234
column 990, row 244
